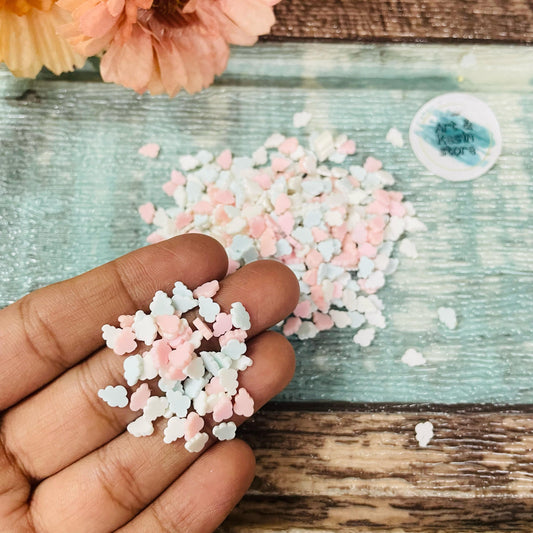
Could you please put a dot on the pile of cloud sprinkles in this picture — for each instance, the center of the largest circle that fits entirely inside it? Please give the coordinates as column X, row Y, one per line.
column 194, row 383
column 335, row 227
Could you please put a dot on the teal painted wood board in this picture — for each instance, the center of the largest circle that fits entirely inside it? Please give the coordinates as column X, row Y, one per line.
column 71, row 181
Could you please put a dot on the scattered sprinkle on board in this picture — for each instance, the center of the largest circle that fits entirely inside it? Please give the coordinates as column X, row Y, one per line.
column 334, row 226
column 424, row 433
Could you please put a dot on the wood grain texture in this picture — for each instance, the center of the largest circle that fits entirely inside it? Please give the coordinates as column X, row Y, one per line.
column 363, row 470
column 405, row 20
column 71, row 181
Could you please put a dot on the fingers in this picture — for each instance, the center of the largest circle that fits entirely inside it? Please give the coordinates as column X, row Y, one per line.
column 53, row 328
column 124, row 476
column 271, row 372
column 218, row 479
column 268, row 290
column 68, row 415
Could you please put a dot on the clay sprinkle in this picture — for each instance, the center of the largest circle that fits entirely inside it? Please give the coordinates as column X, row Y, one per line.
column 192, row 383
column 333, row 223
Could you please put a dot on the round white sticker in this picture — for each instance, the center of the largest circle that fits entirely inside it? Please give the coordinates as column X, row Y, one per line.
column 456, row 136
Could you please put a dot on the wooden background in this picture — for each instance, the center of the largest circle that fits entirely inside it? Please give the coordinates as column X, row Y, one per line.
column 359, row 468
column 321, row 466
column 479, row 21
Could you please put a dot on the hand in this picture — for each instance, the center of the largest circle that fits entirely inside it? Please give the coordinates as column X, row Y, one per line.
column 66, row 462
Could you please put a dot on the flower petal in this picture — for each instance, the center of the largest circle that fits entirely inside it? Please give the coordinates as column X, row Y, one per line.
column 144, row 4
column 255, row 16
column 97, row 21
column 131, row 63
column 171, row 67
column 155, row 85
column 190, row 6
column 84, row 45
column 188, row 48
column 115, row 7
column 211, row 16
column 30, row 42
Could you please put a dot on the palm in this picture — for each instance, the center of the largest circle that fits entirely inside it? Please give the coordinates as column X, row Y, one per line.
column 66, row 463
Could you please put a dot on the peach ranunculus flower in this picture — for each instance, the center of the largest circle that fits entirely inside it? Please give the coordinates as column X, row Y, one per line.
column 29, row 40
column 163, row 46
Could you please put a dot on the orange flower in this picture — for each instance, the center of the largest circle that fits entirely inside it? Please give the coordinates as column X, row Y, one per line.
column 163, row 46
column 28, row 38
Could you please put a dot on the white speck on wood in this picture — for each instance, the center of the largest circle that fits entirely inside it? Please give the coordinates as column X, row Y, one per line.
column 395, row 137
column 408, row 248
column 448, row 317
column 413, row 358
column 424, row 433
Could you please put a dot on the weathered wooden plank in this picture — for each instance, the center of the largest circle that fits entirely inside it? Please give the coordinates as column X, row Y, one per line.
column 405, row 20
column 365, row 515
column 362, row 470
column 71, row 181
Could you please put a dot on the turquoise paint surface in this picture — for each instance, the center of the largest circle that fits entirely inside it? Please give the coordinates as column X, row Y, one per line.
column 71, row 181
column 456, row 136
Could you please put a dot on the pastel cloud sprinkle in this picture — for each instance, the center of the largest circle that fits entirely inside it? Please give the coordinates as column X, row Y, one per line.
column 334, row 222
column 193, row 383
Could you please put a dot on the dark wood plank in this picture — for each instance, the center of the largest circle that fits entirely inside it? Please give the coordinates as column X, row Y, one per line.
column 363, row 470
column 405, row 20
column 258, row 513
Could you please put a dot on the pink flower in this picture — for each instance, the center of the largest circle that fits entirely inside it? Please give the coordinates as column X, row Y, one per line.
column 163, row 46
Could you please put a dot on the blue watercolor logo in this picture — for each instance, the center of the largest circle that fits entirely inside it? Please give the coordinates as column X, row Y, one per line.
column 456, row 136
